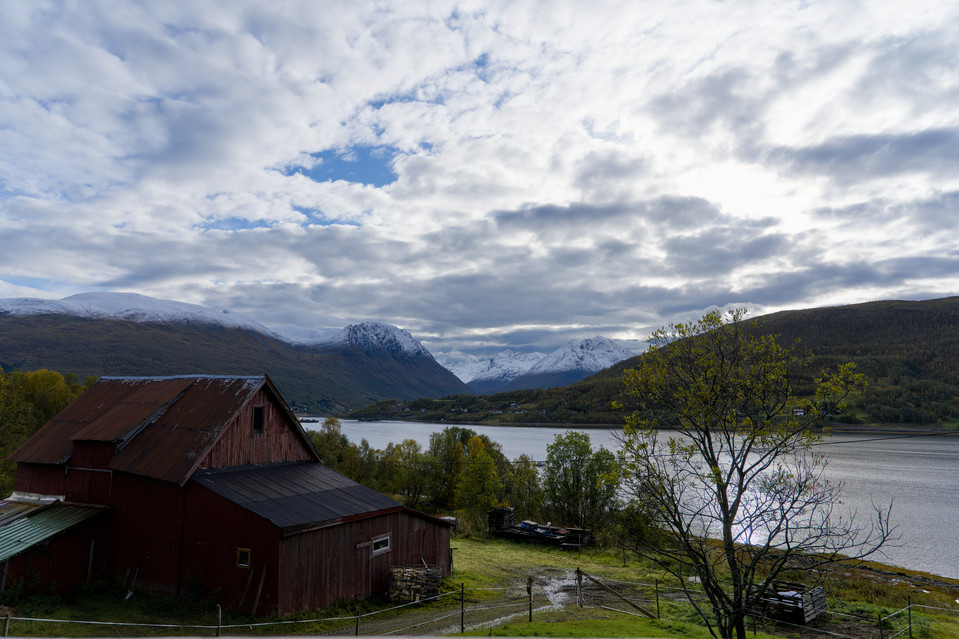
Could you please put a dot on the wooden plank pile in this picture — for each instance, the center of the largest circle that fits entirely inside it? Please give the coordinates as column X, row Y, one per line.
column 414, row 583
column 795, row 603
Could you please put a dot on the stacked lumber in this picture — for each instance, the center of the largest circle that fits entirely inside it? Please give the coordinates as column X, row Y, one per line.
column 795, row 603
column 414, row 583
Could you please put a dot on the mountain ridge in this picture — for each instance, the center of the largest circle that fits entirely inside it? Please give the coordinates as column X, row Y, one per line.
column 141, row 308
column 907, row 350
column 326, row 378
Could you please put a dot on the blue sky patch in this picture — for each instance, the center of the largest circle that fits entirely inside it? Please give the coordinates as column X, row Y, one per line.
column 361, row 164
column 234, row 224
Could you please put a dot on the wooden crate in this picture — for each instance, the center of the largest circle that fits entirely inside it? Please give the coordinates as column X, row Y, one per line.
column 795, row 603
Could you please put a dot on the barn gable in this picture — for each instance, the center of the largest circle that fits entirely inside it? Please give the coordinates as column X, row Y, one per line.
column 167, row 427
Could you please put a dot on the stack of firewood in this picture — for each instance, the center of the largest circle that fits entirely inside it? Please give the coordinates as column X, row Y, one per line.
column 414, row 583
column 500, row 518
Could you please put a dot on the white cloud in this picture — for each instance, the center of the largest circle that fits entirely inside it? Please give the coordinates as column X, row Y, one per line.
column 562, row 167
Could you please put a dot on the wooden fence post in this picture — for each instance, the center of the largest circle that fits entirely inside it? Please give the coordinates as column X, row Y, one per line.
column 579, row 587
column 657, row 600
column 219, row 619
column 6, row 627
column 462, row 608
column 879, row 619
column 909, row 601
column 529, row 593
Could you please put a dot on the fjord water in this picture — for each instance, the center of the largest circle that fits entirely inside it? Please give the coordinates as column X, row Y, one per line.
column 920, row 475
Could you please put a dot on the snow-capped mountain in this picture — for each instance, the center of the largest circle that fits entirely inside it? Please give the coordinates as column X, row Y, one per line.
column 320, row 370
column 504, row 366
column 370, row 337
column 511, row 370
column 367, row 337
column 589, row 355
column 130, row 306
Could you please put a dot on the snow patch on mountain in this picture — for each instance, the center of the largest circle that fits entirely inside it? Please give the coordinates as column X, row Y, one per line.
column 590, row 355
column 130, row 306
column 503, row 366
column 368, row 337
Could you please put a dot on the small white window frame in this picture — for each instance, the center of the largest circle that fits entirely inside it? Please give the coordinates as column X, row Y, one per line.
column 381, row 545
column 242, row 553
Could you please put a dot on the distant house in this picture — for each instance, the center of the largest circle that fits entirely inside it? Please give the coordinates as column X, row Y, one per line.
column 201, row 485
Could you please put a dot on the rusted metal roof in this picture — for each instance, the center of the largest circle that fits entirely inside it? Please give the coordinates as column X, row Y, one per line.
column 138, row 403
column 170, row 448
column 296, row 494
column 12, row 510
column 52, row 444
column 37, row 524
column 162, row 425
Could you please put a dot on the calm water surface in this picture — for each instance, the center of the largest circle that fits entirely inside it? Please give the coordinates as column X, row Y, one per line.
column 919, row 474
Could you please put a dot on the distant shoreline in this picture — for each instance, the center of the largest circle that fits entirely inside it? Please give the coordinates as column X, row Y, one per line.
column 837, row 429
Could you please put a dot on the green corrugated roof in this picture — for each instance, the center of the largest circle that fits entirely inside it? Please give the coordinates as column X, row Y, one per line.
column 30, row 530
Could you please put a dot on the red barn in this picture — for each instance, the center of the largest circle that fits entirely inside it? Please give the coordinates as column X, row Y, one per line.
column 201, row 485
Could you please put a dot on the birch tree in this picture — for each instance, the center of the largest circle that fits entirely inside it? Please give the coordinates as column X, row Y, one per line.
column 737, row 486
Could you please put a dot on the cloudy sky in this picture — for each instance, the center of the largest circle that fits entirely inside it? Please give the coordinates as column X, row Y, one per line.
column 482, row 174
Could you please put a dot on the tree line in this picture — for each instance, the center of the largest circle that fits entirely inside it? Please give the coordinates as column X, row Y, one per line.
column 27, row 401
column 465, row 473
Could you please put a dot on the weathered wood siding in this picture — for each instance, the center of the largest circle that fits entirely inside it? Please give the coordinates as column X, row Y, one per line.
column 239, row 446
column 88, row 478
column 148, row 516
column 89, row 486
column 90, row 454
column 42, row 479
column 214, row 530
column 338, row 562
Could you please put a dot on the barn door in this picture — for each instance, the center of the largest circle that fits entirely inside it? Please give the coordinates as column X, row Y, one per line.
column 362, row 572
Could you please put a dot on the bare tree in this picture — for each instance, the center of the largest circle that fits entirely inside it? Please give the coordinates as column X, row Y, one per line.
column 737, row 487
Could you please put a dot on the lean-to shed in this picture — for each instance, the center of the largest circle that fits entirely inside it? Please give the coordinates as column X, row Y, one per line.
column 206, row 485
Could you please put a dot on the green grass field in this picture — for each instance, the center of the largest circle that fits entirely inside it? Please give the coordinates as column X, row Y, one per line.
column 482, row 568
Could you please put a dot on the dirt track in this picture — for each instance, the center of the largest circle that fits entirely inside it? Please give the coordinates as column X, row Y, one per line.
column 557, row 589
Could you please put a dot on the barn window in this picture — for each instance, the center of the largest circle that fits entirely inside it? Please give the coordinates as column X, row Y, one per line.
column 381, row 545
column 242, row 557
column 259, row 418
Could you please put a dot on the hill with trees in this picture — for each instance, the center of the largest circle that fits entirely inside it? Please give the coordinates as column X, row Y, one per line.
column 908, row 352
column 329, row 378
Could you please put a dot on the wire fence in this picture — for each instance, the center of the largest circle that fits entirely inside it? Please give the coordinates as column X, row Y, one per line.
column 468, row 609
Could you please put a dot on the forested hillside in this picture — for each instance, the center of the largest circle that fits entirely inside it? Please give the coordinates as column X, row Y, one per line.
column 908, row 351
column 327, row 379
